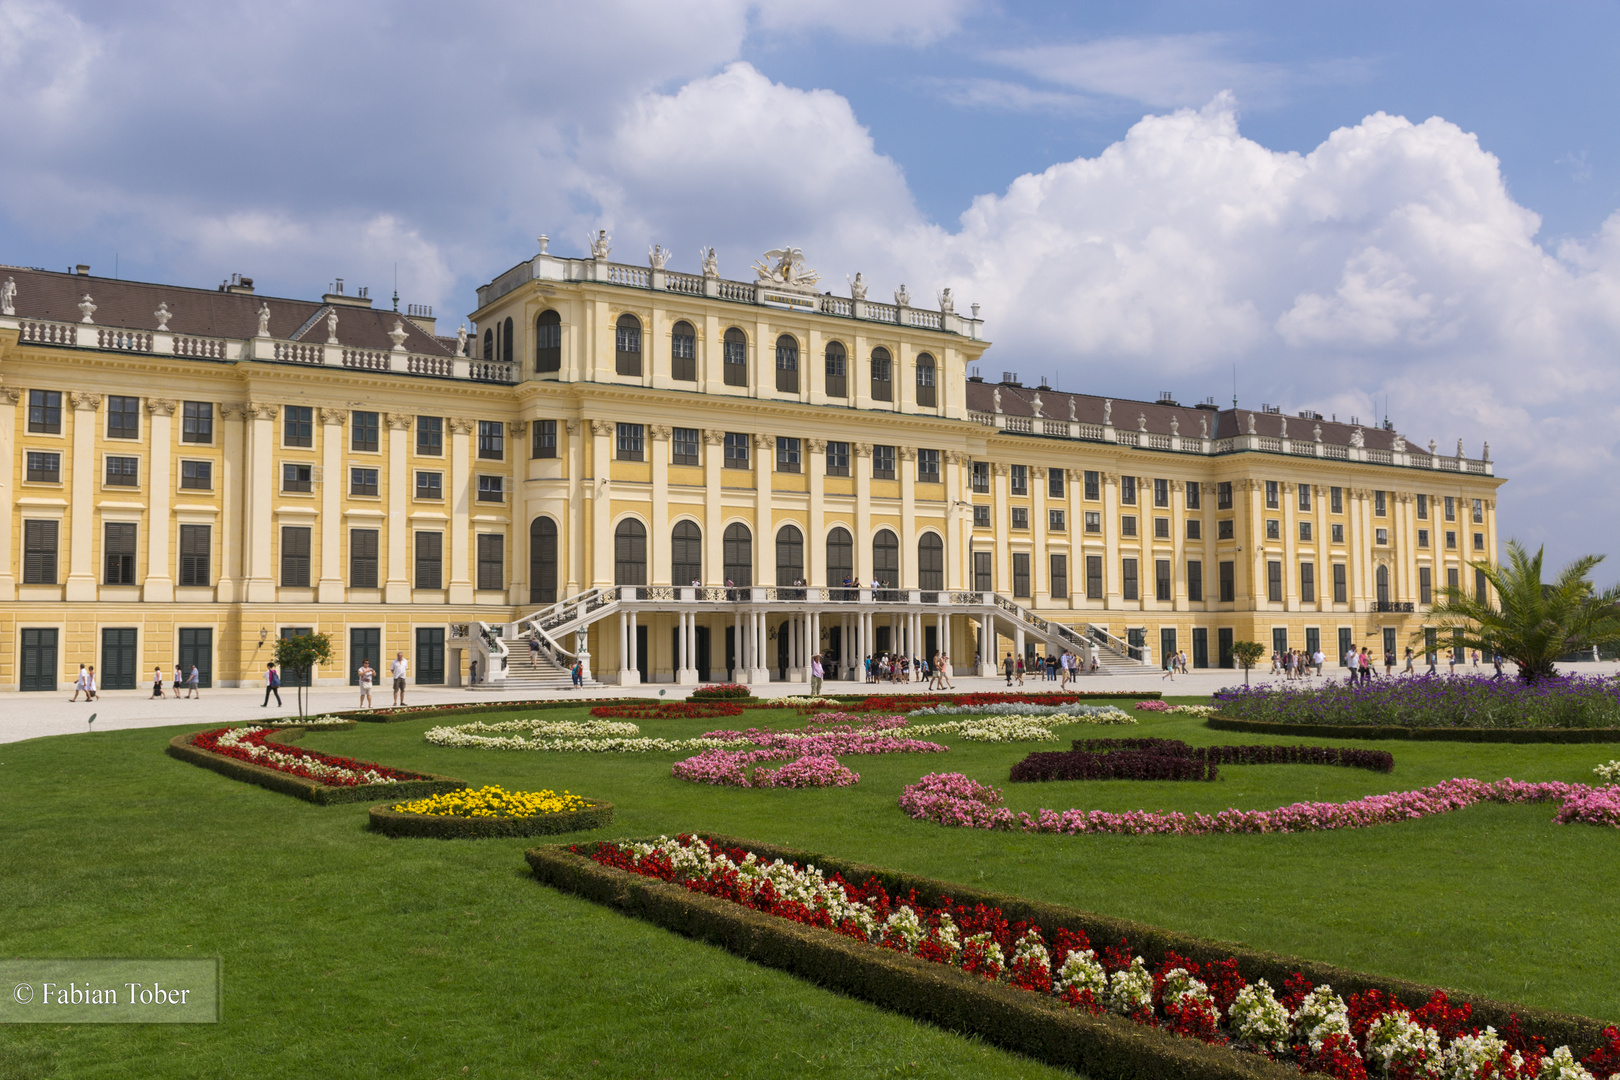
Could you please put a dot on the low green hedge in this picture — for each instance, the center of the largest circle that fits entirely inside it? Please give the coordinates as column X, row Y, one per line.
column 1105, row 1046
column 385, row 819
column 310, row 790
column 1419, row 734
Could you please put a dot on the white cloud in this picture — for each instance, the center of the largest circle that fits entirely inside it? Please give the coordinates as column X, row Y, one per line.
column 1160, row 72
column 913, row 22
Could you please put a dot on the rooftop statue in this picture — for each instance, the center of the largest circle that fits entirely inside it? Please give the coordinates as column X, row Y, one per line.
column 711, row 262
column 785, row 266
column 8, row 297
column 902, row 296
column 331, row 327
column 162, row 316
column 1357, row 438
column 1252, row 429
column 995, row 399
column 1072, row 417
column 658, row 256
column 946, row 304
column 600, row 244
column 1108, row 410
column 857, row 287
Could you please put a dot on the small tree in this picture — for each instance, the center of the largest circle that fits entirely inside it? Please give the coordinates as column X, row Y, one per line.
column 301, row 653
column 1247, row 654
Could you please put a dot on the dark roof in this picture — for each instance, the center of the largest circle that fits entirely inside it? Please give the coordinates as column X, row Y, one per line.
column 131, row 305
column 1127, row 414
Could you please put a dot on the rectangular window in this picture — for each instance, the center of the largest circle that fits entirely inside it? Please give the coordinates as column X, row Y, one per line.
column 1274, row 586
column 979, row 473
column 492, row 440
column 1479, row 541
column 298, row 425
column 1055, row 480
column 1380, row 504
column 430, row 435
column 43, row 468
column 1380, row 536
column 683, row 446
column 364, row 436
column 736, row 450
column 45, row 413
column 1161, row 579
column 981, row 516
column 1272, row 496
column 1161, row 492
column 1094, row 577
column 1425, row 585
column 1195, row 581
column 196, row 555
column 837, row 459
column 491, row 561
column 1057, row 521
column 982, row 561
column 1127, row 490
column 1307, row 582
column 1479, row 511
column 1228, row 576
column 928, row 466
column 787, row 454
column 1340, row 590
column 1423, row 538
column 1128, row 585
column 39, row 552
column 1481, row 585
column 1060, row 577
column 1093, row 521
column 1336, row 500
column 197, row 475
column 1304, row 532
column 1223, row 495
column 1193, row 487
column 543, row 439
column 362, row 481
column 297, row 477
column 883, row 462
column 1451, row 508
column 1161, row 528
column 1020, row 572
column 362, row 558
column 882, row 377
column 429, row 560
column 1336, row 531
column 429, row 485
column 1195, row 529
column 1127, row 525
column 1304, row 496
column 197, row 422
column 1093, row 484
column 123, row 417
column 1018, row 482
column 1423, row 507
column 1020, row 517
column 1224, row 529
column 683, row 354
column 123, row 472
column 295, row 557
column 734, row 356
column 629, row 442
column 1451, row 540
column 491, row 489
column 1273, row 529
column 1451, row 577
column 118, row 552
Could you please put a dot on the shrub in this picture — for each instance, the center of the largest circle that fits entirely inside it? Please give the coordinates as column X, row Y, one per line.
column 1433, row 701
column 392, row 822
column 1172, row 759
column 182, row 747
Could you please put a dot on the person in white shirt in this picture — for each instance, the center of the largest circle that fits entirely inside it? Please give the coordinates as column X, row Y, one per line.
column 1352, row 660
column 192, row 682
column 1317, row 660
column 81, row 686
column 398, row 669
column 816, row 673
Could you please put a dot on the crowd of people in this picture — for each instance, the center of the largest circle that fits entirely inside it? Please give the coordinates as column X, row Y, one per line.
column 1060, row 668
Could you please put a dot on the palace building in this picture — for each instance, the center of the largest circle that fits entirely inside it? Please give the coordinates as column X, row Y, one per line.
column 672, row 477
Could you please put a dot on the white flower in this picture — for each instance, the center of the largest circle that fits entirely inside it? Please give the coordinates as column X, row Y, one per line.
column 1031, row 951
column 1082, row 971
column 1396, row 1039
column 1131, row 989
column 989, row 950
column 1258, row 1017
column 1610, row 773
column 1468, row 1054
column 1321, row 1014
column 592, row 736
column 904, row 924
column 948, row 937
column 1561, row 1065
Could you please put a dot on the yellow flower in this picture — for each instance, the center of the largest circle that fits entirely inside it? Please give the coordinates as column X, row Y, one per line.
column 493, row 801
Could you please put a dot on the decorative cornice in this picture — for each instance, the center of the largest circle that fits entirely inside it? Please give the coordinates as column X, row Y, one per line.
column 334, row 417
column 659, row 431
column 817, row 446
column 399, row 421
column 1111, row 479
column 233, row 410
column 908, row 453
column 713, row 436
column 85, row 402
column 863, row 449
column 263, row 410
column 1038, row 472
column 460, row 425
column 160, row 406
column 764, row 442
column 999, row 468
column 602, row 428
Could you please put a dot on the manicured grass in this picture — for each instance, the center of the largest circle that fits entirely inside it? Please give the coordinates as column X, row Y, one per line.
column 348, row 954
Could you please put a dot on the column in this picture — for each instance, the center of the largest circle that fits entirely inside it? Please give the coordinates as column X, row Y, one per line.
column 600, row 495
column 956, row 535
column 764, row 520
column 863, row 505
column 397, row 585
column 330, row 588
column 714, row 452
column 461, row 583
column 260, row 492
column 815, row 544
column 762, row 647
column 687, row 675
column 159, row 583
column 9, row 397
column 81, row 580
column 1178, row 556
column 658, row 568
column 624, row 648
column 1288, row 496
column 635, row 648
column 739, row 666
column 1111, row 556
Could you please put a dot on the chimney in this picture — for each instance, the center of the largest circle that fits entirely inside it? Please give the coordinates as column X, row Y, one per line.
column 422, row 316
column 83, row 269
column 240, row 286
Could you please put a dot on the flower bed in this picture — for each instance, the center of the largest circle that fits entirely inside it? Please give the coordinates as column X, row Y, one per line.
column 491, row 811
column 1610, row 773
column 1178, row 710
column 719, row 691
column 1155, row 1004
column 249, row 754
column 1110, row 714
column 811, row 753
column 998, row 729
column 1172, row 759
column 1433, row 701
column 669, row 710
column 312, row 723
column 956, row 800
column 901, row 703
column 589, row 736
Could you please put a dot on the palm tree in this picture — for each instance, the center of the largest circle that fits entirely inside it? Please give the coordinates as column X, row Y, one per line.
column 1534, row 623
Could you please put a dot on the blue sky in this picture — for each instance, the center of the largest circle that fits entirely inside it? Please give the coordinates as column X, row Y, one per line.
column 1350, row 204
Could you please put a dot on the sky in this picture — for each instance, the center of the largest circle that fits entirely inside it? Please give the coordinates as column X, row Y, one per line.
column 1409, row 210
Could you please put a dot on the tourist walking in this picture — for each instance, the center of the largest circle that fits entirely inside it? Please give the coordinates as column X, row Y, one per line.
column 401, row 666
column 945, row 671
column 1496, row 662
column 1318, row 660
column 1020, row 671
column 272, row 684
column 178, row 679
column 1389, row 663
column 193, row 682
column 1408, row 670
column 157, row 683
column 1008, row 664
column 816, row 672
column 81, row 685
column 1366, row 665
column 1352, row 660
column 577, row 674
column 365, row 675
column 92, row 693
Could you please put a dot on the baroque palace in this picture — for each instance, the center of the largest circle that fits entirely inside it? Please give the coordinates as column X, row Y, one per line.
column 671, row 477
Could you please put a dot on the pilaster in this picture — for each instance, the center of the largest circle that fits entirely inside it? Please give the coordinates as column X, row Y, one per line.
column 764, row 525
column 714, row 443
column 460, row 584
column 1040, row 570
column 908, row 517
column 863, row 514
column 397, row 583
column 159, row 584
column 233, row 524
column 9, row 397
column 600, row 496
column 815, row 464
column 259, row 537
column 658, row 542
column 329, row 589
column 81, row 580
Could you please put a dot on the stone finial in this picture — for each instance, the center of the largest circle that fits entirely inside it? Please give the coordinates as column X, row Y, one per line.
column 711, row 262
column 264, row 320
column 1037, row 404
column 601, row 244
column 544, row 241
column 1175, row 424
column 946, row 304
column 902, row 296
column 1316, row 432
column 461, row 340
column 1433, row 447
column 398, row 335
column 162, row 316
column 857, row 286
column 975, row 307
column 1141, row 421
column 658, row 256
column 1252, row 429
column 1108, row 410
column 88, row 307
column 331, row 327
column 8, row 297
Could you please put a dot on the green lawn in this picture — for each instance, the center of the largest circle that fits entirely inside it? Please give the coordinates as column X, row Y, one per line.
column 347, row 954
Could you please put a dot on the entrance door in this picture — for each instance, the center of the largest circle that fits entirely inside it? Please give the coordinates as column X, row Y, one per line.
column 1167, row 645
column 1347, row 638
column 365, row 643
column 784, row 641
column 296, row 678
column 1223, row 646
column 197, row 647
column 1313, row 640
column 1134, row 640
column 117, row 659
column 643, row 661
column 880, row 640
column 1389, row 640
column 703, row 654
column 1200, row 647
column 731, row 653
column 430, row 656
column 39, row 665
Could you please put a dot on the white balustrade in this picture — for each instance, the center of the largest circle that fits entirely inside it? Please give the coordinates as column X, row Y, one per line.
column 50, row 333
column 417, row 364
column 365, row 359
column 1055, row 427
column 1093, row 432
column 988, row 419
column 736, row 290
column 1021, row 424
column 838, row 305
column 123, row 340
column 634, row 276
column 200, row 348
column 687, row 284
column 297, row 352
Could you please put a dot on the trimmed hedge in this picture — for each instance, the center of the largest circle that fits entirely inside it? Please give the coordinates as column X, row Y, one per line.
column 310, row 790
column 385, row 819
column 331, row 725
column 1172, row 759
column 1423, row 734
column 1027, row 1023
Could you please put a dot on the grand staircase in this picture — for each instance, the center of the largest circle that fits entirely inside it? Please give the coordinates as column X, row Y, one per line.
column 526, row 670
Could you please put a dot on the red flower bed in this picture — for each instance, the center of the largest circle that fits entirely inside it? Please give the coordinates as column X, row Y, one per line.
column 900, row 703
column 669, row 710
column 249, row 745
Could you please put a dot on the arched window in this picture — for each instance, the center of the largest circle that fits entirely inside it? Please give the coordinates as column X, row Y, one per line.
column 683, row 352
column 548, row 341
column 735, row 367
column 685, row 554
column 1383, row 584
column 737, row 552
column 882, row 375
column 542, row 561
column 789, row 555
column 837, row 368
column 925, row 381
column 886, row 559
column 630, row 553
column 627, row 354
column 930, row 562
column 489, row 344
column 840, row 557
column 506, row 341
column 787, row 365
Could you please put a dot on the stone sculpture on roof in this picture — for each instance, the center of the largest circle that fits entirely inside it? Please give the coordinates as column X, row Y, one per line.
column 8, row 297
column 1284, row 420
column 162, row 316
column 995, row 399
column 1175, row 424
column 1252, row 429
column 785, row 266
column 1108, row 410
column 601, row 244
column 1357, row 438
column 264, row 320
column 1037, row 404
column 946, row 304
column 461, row 340
column 857, row 287
column 331, row 327
column 1203, row 427
column 902, row 295
column 1072, row 417
column 711, row 262
column 658, row 256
